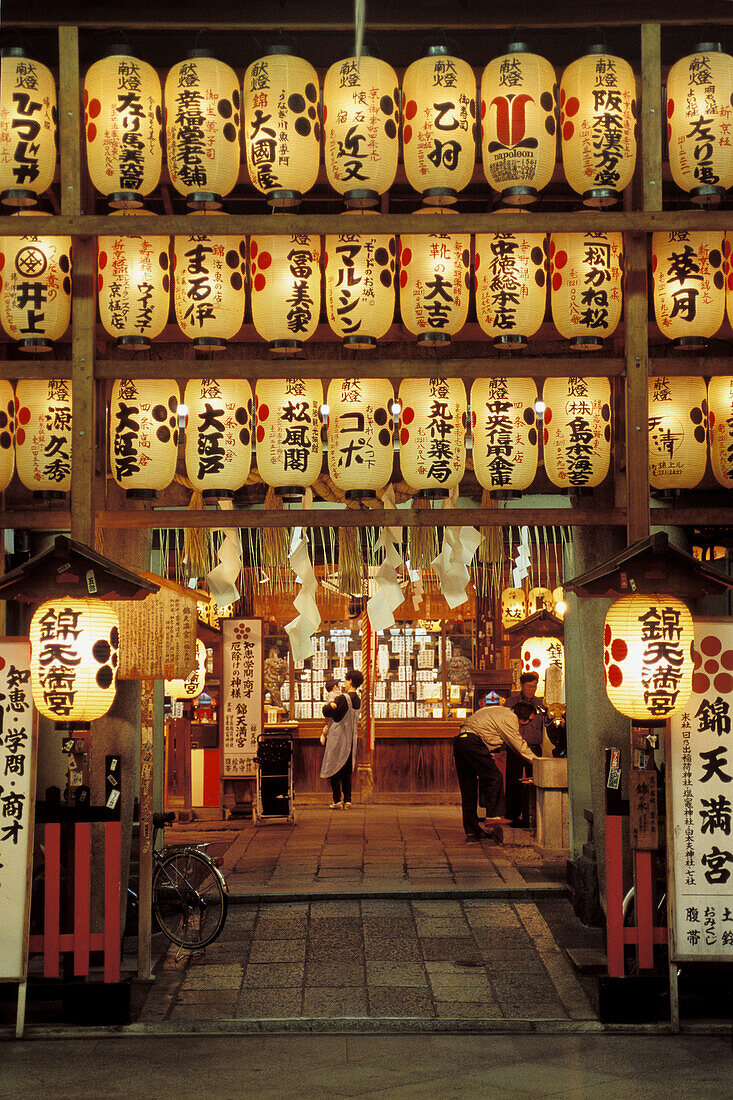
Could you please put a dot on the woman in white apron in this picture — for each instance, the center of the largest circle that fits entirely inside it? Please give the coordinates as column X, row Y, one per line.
column 340, row 755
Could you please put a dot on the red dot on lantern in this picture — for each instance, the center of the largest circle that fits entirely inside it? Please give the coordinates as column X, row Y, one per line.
column 669, row 132
column 727, row 659
column 670, row 108
column 24, row 415
column 91, row 132
column 696, row 659
column 483, row 108
column 723, row 683
column 572, row 106
column 410, row 108
column 406, row 256
column 548, row 415
column 607, row 635
column 619, row 649
column 263, row 411
column 561, row 258
column 403, row 279
column 711, row 419
column 545, row 436
column 94, row 108
column 20, row 437
column 259, row 282
column 100, row 280
column 710, row 645
column 253, row 248
column 265, row 260
column 700, row 683
column 407, row 135
column 606, row 656
column 260, row 433
column 556, row 281
column 568, row 130
column 408, row 415
column 536, row 662
column 615, row 676
column 711, row 666
column 404, row 436
column 102, row 260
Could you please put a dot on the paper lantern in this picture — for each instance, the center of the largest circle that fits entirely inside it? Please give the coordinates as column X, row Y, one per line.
column 7, row 434
column 35, row 288
column 689, row 285
column 539, row 599
column 74, row 647
column 285, row 276
column 504, row 434
column 648, row 660
column 433, row 434
column 143, row 435
column 513, row 607
column 720, row 426
column 577, row 431
column 361, row 116
column 539, row 654
column 288, row 433
column 218, row 435
column 510, row 277
column 208, row 287
column 434, row 282
column 193, row 685
column 282, row 132
column 699, row 91
column 559, row 605
column 360, row 286
column 586, row 286
column 439, row 126
column 123, row 119
column 360, row 451
column 598, row 112
column 677, row 438
column 29, row 117
column 133, row 282
column 43, row 436
column 518, row 125
column 202, row 129
column 728, row 274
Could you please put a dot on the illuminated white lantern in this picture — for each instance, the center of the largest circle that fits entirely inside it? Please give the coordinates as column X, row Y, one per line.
column 677, row 437
column 193, row 685
column 288, row 433
column 74, row 647
column 513, row 607
column 518, row 125
column 29, row 121
column 539, row 654
column 143, row 435
column 208, row 283
column 699, row 91
column 505, row 441
column 539, row 599
column 432, row 434
column 361, row 116
column 43, row 436
column 511, row 286
column 559, row 604
column 360, row 286
column 434, row 283
column 285, row 274
column 218, row 434
column 648, row 660
column 7, row 434
column 586, row 286
column 35, row 288
column 360, row 451
column 577, row 431
column 720, row 428
column 689, row 285
column 133, row 284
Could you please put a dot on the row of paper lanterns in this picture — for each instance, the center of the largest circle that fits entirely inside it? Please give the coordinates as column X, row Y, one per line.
column 506, row 422
column 204, row 119
column 518, row 604
column 692, row 281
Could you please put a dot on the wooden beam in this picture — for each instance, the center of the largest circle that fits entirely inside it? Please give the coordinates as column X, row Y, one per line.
column 83, row 396
column 637, row 390
column 69, row 122
column 652, row 117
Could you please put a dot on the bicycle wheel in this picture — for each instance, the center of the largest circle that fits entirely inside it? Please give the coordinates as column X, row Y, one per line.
column 189, row 898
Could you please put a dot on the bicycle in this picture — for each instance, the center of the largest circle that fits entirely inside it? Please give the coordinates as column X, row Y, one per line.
column 190, row 895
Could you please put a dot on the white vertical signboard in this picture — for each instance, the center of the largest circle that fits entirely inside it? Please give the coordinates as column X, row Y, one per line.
column 242, row 696
column 700, row 802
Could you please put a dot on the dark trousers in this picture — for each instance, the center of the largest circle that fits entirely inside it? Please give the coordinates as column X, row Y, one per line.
column 476, row 770
column 341, row 781
column 516, row 769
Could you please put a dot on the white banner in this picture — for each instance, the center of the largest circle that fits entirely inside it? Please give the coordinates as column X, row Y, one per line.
column 242, row 695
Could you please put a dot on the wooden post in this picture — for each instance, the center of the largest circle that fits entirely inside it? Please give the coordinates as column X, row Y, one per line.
column 637, row 392
column 69, row 122
column 652, row 118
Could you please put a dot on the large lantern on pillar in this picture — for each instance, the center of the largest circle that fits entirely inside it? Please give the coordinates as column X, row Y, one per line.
column 598, row 126
column 439, row 126
column 74, row 645
column 288, row 433
column 648, row 661
column 360, row 286
column 518, row 125
column 7, row 434
column 689, row 285
column 43, row 436
column 433, row 434
column 123, row 119
column 361, row 115
column 202, row 128
column 720, row 428
column 360, row 452
column 143, row 435
column 511, row 286
column 513, row 606
column 699, row 91
column 677, row 439
column 504, row 434
column 285, row 274
column 218, row 435
column 208, row 287
column 35, row 288
column 586, row 286
column 434, row 281
column 539, row 654
column 577, row 431
column 133, row 281
column 282, row 131
column 29, row 118
column 193, row 685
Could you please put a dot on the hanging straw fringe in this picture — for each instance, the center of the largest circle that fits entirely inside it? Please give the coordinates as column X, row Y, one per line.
column 491, row 547
column 423, row 541
column 350, row 562
column 275, row 541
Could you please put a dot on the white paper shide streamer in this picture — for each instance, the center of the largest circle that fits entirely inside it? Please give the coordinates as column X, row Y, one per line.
column 523, row 559
column 301, row 629
column 451, row 564
column 221, row 579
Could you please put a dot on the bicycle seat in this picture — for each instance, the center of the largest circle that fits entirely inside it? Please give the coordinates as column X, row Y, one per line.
column 163, row 819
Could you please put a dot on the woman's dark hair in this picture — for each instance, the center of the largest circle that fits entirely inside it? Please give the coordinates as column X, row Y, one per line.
column 330, row 683
column 355, row 677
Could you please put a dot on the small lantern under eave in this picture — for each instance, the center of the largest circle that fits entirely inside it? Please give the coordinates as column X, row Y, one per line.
column 648, row 659
column 539, row 599
column 598, row 112
column 7, row 434
column 432, row 434
column 285, row 280
column 43, row 436
column 361, row 115
column 193, row 685
column 360, row 421
column 505, row 441
column 677, row 437
column 360, row 286
column 288, row 434
column 74, row 647
column 35, row 288
column 133, row 283
column 518, row 124
column 209, row 287
column 689, row 285
column 434, row 282
column 559, row 603
column 586, row 286
column 29, row 117
column 510, row 277
column 699, row 91
column 123, row 119
column 577, row 431
column 539, row 654
column 218, row 434
column 143, row 435
column 513, row 606
column 439, row 126
column 720, row 428
column 282, row 131
column 202, row 108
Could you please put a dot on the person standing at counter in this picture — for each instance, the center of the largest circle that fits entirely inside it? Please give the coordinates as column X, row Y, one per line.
column 340, row 755
column 532, row 717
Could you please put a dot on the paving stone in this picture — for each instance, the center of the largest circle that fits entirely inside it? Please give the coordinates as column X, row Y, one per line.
column 441, row 926
column 405, row 1002
column 449, row 982
column 449, row 948
column 214, row 977
column 468, row 1010
column 337, row 955
column 223, row 999
column 269, row 1003
column 397, row 949
column 277, row 951
column 325, row 1001
column 395, row 974
column 320, row 910
column 402, row 926
column 268, row 928
column 273, row 975
column 337, row 974
column 437, row 908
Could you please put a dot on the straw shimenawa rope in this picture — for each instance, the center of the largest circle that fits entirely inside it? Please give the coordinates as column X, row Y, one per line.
column 423, row 541
column 350, row 561
column 491, row 547
column 275, row 541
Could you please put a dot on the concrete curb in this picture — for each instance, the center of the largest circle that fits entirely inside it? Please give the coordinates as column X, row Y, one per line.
column 416, row 893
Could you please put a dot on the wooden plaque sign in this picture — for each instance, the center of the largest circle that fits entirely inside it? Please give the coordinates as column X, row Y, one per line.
column 157, row 635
